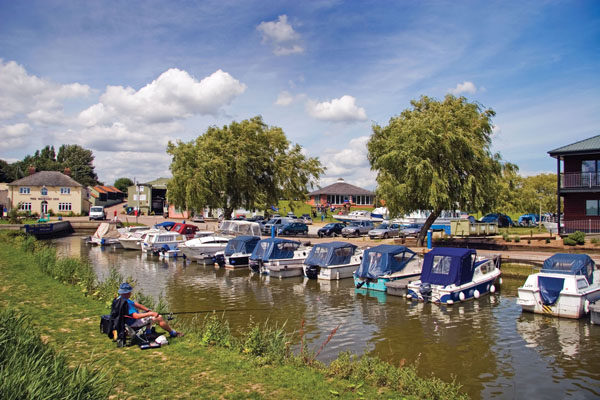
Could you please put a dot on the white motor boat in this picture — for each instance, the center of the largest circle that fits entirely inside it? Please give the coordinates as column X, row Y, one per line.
column 565, row 287
column 203, row 248
column 238, row 228
column 332, row 261
column 279, row 258
column 106, row 234
column 451, row 275
column 237, row 252
column 165, row 240
column 131, row 237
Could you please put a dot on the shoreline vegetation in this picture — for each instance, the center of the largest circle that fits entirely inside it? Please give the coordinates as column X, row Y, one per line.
column 52, row 303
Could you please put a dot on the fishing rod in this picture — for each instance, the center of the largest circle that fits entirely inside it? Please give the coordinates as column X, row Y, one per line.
column 170, row 314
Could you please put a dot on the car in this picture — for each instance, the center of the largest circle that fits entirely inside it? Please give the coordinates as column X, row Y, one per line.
column 277, row 223
column 357, row 228
column 411, row 230
column 198, row 218
column 293, row 228
column 384, row 231
column 503, row 220
column 306, row 219
column 97, row 212
column 331, row 229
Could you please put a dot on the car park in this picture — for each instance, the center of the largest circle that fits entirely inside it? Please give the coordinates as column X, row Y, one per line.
column 331, row 229
column 293, row 228
column 384, row 230
column 357, row 228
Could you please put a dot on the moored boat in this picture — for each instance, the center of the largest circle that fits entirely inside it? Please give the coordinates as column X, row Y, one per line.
column 280, row 258
column 332, row 260
column 452, row 275
column 106, row 234
column 161, row 240
column 204, row 248
column 237, row 252
column 565, row 287
column 386, row 263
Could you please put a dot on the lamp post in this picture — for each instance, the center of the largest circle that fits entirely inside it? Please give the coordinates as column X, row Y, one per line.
column 137, row 190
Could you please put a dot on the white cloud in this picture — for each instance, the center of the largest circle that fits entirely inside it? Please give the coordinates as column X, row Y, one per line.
column 142, row 166
column 336, row 110
column 465, row 87
column 350, row 163
column 281, row 34
column 21, row 93
column 284, row 99
column 13, row 136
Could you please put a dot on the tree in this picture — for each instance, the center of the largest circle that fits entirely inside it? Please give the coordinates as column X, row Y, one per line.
column 246, row 164
column 80, row 162
column 436, row 156
column 538, row 192
column 123, row 184
column 508, row 199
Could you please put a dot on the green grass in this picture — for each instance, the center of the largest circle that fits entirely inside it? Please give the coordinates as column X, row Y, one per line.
column 303, row 208
column 209, row 362
column 519, row 270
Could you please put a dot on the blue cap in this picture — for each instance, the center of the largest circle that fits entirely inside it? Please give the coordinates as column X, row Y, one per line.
column 125, row 288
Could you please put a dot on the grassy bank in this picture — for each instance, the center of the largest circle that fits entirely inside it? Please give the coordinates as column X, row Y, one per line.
column 64, row 302
column 519, row 270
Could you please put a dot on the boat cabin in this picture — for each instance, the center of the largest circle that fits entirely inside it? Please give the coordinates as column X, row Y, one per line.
column 241, row 244
column 446, row 266
column 330, row 253
column 274, row 249
column 384, row 260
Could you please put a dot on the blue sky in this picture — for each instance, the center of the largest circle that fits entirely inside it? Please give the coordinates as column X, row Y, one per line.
column 122, row 78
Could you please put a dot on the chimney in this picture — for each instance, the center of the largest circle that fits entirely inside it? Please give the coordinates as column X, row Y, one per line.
column 67, row 171
column 31, row 170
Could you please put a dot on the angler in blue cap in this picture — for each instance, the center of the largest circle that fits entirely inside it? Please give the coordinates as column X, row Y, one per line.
column 140, row 315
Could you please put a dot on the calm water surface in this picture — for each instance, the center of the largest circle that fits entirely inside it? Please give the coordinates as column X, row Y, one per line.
column 488, row 345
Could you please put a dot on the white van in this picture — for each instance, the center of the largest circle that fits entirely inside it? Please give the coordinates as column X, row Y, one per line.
column 97, row 212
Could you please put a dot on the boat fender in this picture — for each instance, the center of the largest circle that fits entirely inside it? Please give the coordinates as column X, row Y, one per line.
column 450, row 302
column 461, row 296
column 500, row 281
column 586, row 306
column 476, row 293
column 492, row 289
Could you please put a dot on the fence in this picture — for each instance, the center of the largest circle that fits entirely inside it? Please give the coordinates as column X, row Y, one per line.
column 579, row 180
column 584, row 225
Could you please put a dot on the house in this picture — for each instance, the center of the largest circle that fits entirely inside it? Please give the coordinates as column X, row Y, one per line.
column 105, row 195
column 341, row 194
column 149, row 197
column 579, row 185
column 43, row 191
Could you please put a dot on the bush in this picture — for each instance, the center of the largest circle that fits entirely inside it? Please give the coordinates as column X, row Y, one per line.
column 578, row 237
column 547, row 240
column 517, row 239
column 569, row 242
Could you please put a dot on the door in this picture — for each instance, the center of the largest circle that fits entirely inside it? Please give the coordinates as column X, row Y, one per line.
column 44, row 207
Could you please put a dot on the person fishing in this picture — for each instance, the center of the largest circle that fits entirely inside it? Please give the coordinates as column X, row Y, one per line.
column 148, row 317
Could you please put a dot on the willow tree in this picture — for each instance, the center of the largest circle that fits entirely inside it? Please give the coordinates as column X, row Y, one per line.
column 245, row 164
column 436, row 156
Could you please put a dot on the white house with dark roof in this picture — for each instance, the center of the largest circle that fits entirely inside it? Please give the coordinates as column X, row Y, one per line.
column 48, row 190
column 340, row 194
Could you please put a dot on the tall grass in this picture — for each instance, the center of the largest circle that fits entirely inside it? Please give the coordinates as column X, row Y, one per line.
column 30, row 369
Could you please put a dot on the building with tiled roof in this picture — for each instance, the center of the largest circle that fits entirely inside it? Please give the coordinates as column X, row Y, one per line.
column 578, row 185
column 340, row 194
column 43, row 191
column 105, row 195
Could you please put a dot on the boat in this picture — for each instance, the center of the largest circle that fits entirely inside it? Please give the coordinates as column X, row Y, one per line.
column 564, row 287
column 386, row 263
column 237, row 252
column 279, row 258
column 161, row 239
column 49, row 230
column 107, row 234
column 359, row 215
column 332, row 260
column 131, row 237
column 235, row 228
column 204, row 248
column 452, row 275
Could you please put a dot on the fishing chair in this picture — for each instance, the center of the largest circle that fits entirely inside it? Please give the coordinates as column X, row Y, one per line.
column 116, row 327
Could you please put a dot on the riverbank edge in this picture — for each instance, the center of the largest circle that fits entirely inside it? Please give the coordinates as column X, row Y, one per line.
column 68, row 320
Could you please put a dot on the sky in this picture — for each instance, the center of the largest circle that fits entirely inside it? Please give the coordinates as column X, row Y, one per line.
column 123, row 78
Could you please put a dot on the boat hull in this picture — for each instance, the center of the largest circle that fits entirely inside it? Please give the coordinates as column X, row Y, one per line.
column 131, row 244
column 379, row 284
column 237, row 261
column 330, row 273
column 201, row 253
column 567, row 305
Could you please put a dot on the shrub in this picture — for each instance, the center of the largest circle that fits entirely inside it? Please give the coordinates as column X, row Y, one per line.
column 13, row 216
column 578, row 237
column 595, row 241
column 547, row 240
column 517, row 239
column 215, row 331
column 569, row 242
column 268, row 344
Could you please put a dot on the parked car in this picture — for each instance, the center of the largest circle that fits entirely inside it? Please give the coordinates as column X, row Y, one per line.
column 503, row 220
column 277, row 223
column 306, row 219
column 97, row 212
column 198, row 218
column 331, row 229
column 357, row 228
column 384, row 231
column 411, row 230
column 293, row 228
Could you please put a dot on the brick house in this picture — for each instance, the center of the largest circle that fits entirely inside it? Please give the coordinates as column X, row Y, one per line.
column 579, row 185
column 341, row 193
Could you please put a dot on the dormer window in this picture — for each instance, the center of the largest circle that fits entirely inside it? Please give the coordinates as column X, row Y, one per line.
column 44, row 191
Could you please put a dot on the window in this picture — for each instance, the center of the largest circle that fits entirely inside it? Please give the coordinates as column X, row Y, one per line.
column 64, row 206
column 589, row 172
column 441, row 265
column 25, row 206
column 65, row 190
column 591, row 207
column 24, row 190
column 44, row 192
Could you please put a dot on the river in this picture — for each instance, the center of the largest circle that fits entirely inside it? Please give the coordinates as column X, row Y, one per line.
column 487, row 345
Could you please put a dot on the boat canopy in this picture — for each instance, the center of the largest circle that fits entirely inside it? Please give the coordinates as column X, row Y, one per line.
column 447, row 266
column 330, row 253
column 241, row 244
column 274, row 249
column 572, row 264
column 384, row 259
column 528, row 218
column 167, row 225
column 106, row 230
column 237, row 228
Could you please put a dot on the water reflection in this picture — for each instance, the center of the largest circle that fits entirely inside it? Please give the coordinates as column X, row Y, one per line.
column 492, row 349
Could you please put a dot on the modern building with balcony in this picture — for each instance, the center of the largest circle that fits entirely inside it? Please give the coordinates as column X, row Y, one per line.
column 578, row 185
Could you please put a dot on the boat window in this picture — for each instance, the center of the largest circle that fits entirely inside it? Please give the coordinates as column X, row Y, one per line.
column 441, row 265
column 400, row 257
column 344, row 252
column 287, row 246
column 484, row 268
column 581, row 283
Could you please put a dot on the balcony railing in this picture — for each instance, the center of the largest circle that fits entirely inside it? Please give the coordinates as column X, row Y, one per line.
column 579, row 180
column 585, row 226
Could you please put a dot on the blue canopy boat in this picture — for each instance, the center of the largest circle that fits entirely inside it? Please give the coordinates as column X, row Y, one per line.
column 564, row 287
column 332, row 260
column 451, row 275
column 237, row 252
column 281, row 258
column 385, row 263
